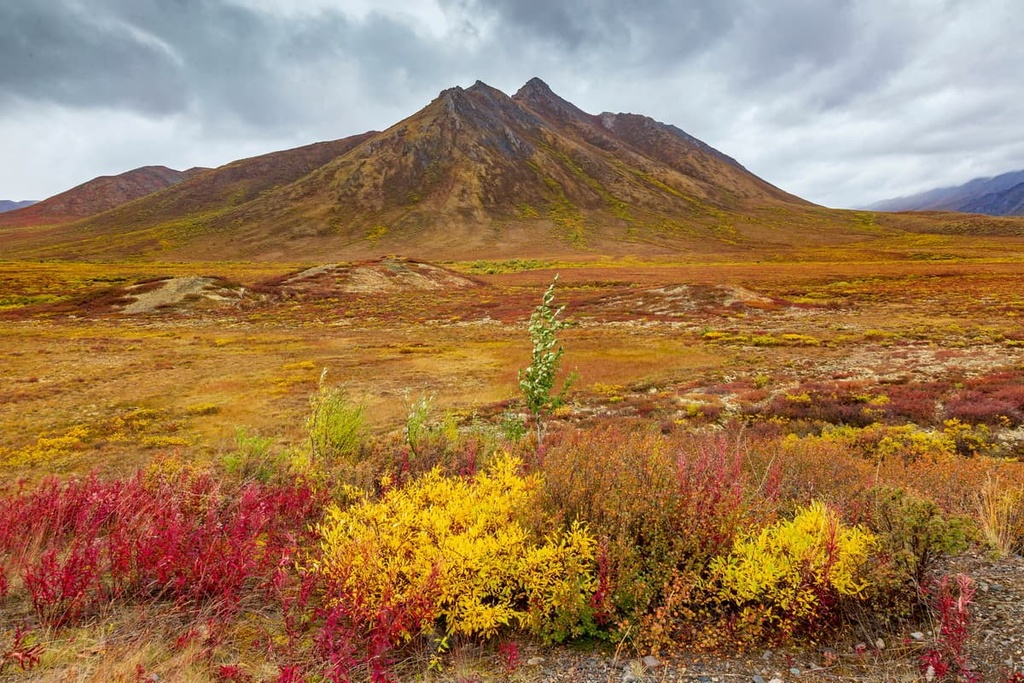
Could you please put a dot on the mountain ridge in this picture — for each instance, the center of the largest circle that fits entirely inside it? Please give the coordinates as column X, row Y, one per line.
column 15, row 204
column 1000, row 195
column 475, row 173
column 98, row 195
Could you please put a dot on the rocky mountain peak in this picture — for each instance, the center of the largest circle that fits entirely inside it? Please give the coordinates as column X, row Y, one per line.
column 535, row 86
column 537, row 96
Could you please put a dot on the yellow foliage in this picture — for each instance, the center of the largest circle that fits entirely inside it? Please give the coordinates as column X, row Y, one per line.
column 776, row 577
column 48, row 449
column 801, row 340
column 463, row 541
column 879, row 442
column 197, row 409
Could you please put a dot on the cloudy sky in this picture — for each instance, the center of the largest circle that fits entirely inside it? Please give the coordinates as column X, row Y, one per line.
column 843, row 102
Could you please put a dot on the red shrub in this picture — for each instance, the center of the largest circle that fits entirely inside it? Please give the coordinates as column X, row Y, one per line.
column 951, row 601
column 232, row 672
column 291, row 674
column 990, row 399
column 711, row 503
column 818, row 402
column 191, row 538
column 19, row 654
column 354, row 631
column 62, row 589
column 917, row 403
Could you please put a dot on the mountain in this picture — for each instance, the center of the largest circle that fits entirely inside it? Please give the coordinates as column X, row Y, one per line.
column 479, row 172
column 9, row 205
column 217, row 191
column 474, row 174
column 1002, row 195
column 97, row 195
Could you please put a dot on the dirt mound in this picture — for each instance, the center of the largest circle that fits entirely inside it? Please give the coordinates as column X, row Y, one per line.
column 680, row 300
column 386, row 276
column 162, row 294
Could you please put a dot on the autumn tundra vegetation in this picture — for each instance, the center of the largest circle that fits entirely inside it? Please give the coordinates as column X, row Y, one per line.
column 756, row 506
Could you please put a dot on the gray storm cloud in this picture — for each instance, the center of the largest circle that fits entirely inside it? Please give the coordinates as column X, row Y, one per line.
column 209, row 57
column 841, row 101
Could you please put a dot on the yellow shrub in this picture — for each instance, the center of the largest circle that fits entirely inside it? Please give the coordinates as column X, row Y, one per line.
column 879, row 442
column 48, row 450
column 463, row 542
column 780, row 577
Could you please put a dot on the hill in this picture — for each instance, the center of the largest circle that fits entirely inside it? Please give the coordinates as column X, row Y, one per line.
column 9, row 205
column 1002, row 195
column 474, row 174
column 97, row 195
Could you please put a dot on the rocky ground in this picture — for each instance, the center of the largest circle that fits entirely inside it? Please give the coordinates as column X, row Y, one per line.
column 994, row 652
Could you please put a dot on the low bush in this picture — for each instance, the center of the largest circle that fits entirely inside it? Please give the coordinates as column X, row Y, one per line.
column 464, row 548
column 336, row 425
column 846, row 403
column 659, row 504
column 187, row 537
column 790, row 576
column 992, row 399
column 422, row 538
column 913, row 533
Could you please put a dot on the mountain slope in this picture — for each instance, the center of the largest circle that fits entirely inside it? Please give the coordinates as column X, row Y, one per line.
column 97, row 195
column 1008, row 202
column 1002, row 195
column 479, row 172
column 474, row 174
column 228, row 186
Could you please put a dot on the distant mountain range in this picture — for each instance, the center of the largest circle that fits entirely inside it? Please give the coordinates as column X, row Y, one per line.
column 9, row 205
column 1002, row 195
column 98, row 195
column 474, row 174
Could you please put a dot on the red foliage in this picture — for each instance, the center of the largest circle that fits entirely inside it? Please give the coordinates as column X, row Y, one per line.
column 602, row 601
column 828, row 402
column 354, row 632
column 917, row 403
column 62, row 589
column 951, row 600
column 22, row 656
column 711, row 497
column 193, row 539
column 291, row 674
column 990, row 399
column 511, row 657
column 347, row 631
column 232, row 672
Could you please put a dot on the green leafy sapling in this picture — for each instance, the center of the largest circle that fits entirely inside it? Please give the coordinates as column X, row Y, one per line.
column 538, row 380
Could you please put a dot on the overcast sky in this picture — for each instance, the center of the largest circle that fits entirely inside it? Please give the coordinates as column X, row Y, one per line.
column 842, row 102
